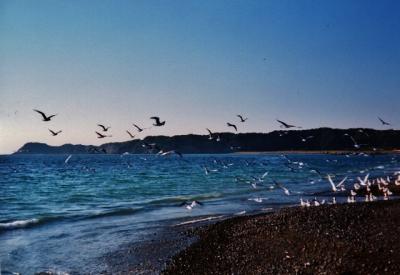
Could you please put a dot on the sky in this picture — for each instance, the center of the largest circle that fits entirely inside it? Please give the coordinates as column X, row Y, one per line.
column 196, row 64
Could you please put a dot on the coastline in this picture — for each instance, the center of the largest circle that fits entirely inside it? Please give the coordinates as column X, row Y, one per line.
column 360, row 238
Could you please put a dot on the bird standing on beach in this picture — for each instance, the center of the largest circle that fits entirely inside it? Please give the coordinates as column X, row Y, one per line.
column 54, row 133
column 157, row 121
column 105, row 129
column 232, row 125
column 241, row 118
column 45, row 118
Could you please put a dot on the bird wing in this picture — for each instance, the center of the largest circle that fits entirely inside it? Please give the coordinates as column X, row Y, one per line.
column 332, row 183
column 129, row 133
column 102, row 126
column 265, row 174
column 51, row 131
column 40, row 112
column 342, row 182
column 100, row 135
column 137, row 127
column 283, row 123
column 156, row 118
column 209, row 131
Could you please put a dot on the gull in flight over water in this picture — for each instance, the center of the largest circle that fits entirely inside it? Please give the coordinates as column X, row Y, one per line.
column 242, row 119
column 101, row 135
column 138, row 128
column 55, row 133
column 286, row 125
column 232, row 125
column 157, row 121
column 105, row 129
column 129, row 133
column 285, row 190
column 339, row 185
column 45, row 118
column 384, row 122
column 210, row 134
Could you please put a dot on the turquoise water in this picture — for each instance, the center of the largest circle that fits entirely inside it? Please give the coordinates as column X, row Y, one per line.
column 65, row 216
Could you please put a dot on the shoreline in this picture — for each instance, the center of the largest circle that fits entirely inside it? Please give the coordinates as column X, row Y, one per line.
column 359, row 238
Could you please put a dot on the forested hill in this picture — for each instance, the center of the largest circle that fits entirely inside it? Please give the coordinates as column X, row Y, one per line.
column 294, row 140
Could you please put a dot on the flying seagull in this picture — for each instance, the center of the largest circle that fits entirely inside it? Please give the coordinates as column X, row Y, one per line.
column 241, row 118
column 232, row 125
column 210, row 134
column 101, row 135
column 105, row 129
column 285, row 190
column 383, row 122
column 157, row 122
column 45, row 118
column 55, row 133
column 162, row 153
column 138, row 128
column 336, row 186
column 285, row 125
column 129, row 133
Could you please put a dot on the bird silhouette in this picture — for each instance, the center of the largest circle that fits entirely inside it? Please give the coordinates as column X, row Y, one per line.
column 157, row 121
column 45, row 118
column 129, row 133
column 232, row 125
column 54, row 133
column 105, row 129
column 241, row 118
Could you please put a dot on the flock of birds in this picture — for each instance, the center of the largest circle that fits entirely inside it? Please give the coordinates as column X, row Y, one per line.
column 371, row 188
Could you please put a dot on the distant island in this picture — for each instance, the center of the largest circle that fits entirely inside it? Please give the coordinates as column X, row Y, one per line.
column 321, row 139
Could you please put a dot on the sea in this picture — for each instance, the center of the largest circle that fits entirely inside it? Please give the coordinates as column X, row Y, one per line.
column 62, row 213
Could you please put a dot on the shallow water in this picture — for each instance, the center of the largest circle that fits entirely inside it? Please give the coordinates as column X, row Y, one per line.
column 65, row 216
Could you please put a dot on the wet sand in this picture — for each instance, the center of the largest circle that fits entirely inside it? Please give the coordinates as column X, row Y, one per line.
column 360, row 238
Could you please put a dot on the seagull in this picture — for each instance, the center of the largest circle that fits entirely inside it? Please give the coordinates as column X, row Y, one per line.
column 101, row 135
column 232, row 125
column 129, row 133
column 190, row 206
column 335, row 187
column 285, row 190
column 162, row 153
column 105, row 129
column 356, row 145
column 157, row 121
column 305, row 139
column 55, row 133
column 138, row 128
column 45, row 118
column 241, row 118
column 383, row 122
column 209, row 134
column 285, row 125
column 364, row 181
column 218, row 138
column 67, row 159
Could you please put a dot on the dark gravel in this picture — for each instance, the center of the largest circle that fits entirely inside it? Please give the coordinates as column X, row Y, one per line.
column 361, row 238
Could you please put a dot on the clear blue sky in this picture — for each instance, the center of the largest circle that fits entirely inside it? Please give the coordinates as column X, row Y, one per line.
column 196, row 64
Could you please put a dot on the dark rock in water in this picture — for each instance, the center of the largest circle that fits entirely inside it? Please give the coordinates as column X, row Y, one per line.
column 324, row 139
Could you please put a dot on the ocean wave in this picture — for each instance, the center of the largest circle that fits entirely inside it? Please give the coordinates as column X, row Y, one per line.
column 18, row 224
column 178, row 199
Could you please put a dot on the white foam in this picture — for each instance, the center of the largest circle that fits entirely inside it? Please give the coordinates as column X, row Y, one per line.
column 200, row 220
column 18, row 224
